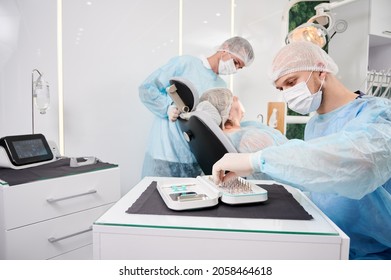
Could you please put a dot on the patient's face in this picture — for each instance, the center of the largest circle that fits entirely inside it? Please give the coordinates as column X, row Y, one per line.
column 236, row 113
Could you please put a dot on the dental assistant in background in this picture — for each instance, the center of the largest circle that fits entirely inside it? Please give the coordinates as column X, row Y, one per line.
column 168, row 153
column 345, row 160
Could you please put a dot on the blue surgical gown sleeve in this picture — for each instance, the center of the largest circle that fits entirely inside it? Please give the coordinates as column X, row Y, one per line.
column 347, row 151
column 152, row 91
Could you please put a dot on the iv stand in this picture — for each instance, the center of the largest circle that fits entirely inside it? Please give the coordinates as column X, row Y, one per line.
column 32, row 96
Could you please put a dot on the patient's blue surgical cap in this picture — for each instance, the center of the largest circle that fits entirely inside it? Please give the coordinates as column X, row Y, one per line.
column 239, row 47
column 301, row 56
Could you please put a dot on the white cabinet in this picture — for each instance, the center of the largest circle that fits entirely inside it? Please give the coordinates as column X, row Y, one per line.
column 380, row 23
column 52, row 219
column 379, row 52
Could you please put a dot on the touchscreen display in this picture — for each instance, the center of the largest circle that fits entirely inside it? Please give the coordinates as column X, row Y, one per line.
column 26, row 149
column 29, row 148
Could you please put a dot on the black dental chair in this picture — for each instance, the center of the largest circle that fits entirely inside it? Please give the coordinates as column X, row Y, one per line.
column 206, row 139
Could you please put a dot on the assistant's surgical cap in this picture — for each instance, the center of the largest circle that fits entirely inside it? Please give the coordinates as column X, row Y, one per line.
column 301, row 56
column 221, row 99
column 239, row 47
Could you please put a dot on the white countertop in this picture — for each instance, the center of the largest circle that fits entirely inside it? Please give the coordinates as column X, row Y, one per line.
column 116, row 216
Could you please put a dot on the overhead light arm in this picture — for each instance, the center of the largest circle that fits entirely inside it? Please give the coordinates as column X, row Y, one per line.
column 323, row 15
column 326, row 7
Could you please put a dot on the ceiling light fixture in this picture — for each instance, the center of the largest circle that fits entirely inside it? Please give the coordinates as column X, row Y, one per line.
column 319, row 27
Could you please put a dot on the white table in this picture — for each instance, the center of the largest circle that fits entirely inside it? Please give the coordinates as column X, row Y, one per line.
column 119, row 235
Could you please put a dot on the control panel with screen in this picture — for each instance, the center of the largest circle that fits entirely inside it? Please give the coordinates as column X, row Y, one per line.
column 24, row 150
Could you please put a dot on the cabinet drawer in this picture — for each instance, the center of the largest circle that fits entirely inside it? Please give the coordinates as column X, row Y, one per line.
column 42, row 200
column 83, row 253
column 52, row 238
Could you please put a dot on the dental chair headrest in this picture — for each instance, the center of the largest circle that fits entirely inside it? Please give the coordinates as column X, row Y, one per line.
column 207, row 141
column 184, row 94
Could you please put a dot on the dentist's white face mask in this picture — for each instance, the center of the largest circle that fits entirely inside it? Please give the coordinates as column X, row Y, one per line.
column 300, row 99
column 227, row 67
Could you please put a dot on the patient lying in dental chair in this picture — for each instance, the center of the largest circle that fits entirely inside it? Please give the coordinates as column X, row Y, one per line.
column 227, row 111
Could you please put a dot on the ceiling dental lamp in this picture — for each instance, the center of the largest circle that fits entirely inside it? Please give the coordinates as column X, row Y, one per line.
column 319, row 27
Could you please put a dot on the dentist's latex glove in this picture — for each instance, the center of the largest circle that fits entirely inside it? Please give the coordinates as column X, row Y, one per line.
column 239, row 164
column 173, row 113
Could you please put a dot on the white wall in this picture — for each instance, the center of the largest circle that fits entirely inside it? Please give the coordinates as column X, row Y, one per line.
column 111, row 46
column 261, row 24
column 119, row 46
column 206, row 24
column 27, row 41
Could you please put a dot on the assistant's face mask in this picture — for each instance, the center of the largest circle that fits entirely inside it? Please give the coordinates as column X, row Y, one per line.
column 300, row 99
column 227, row 67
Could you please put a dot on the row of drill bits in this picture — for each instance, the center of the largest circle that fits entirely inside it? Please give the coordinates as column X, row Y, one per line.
column 237, row 185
